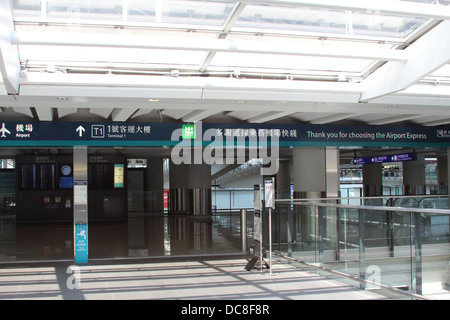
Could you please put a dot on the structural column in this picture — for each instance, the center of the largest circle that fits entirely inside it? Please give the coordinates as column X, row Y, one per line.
column 309, row 173
column 283, row 191
column 316, row 175
column 154, row 186
column 283, row 180
column 442, row 172
column 190, row 189
column 372, row 175
column 316, row 172
column 414, row 176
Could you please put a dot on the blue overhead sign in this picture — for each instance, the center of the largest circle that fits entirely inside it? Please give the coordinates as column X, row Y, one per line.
column 49, row 133
column 383, row 159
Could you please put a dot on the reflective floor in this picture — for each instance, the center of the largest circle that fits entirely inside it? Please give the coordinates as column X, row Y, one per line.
column 143, row 235
column 204, row 279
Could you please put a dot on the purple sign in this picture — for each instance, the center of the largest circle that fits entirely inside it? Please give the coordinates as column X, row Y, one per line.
column 381, row 159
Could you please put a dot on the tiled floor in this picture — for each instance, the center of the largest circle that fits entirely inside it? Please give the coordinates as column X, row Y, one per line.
column 174, row 280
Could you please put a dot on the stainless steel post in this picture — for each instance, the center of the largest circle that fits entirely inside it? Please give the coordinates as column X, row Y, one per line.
column 244, row 230
column 80, row 201
column 270, row 241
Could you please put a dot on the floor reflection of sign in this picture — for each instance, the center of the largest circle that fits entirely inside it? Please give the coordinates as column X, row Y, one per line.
column 269, row 192
column 81, row 243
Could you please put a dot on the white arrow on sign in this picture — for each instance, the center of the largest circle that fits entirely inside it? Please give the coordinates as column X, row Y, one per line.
column 80, row 130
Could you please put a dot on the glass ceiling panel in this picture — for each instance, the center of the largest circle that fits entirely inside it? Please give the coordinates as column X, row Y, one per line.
column 157, row 11
column 286, row 24
column 294, row 64
column 82, row 55
column 291, row 64
column 180, row 12
column 327, row 21
column 441, row 2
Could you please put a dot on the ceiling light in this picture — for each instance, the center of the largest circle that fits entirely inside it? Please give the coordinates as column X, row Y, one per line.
column 153, row 100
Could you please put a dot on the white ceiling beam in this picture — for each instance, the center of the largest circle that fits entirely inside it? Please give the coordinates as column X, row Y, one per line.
column 9, row 55
column 429, row 53
column 269, row 116
column 168, row 87
column 141, row 112
column 334, row 118
column 62, row 112
column 199, row 115
column 407, row 100
column 102, row 112
column 44, row 113
column 436, row 122
column 244, row 114
column 384, row 7
column 208, row 45
column 23, row 110
column 394, row 119
column 175, row 113
column 122, row 114
column 2, row 88
column 280, row 96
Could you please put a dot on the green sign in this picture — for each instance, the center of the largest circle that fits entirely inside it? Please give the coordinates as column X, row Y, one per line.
column 188, row 131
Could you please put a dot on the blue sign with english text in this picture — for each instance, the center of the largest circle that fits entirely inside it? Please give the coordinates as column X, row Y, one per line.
column 382, row 159
column 59, row 133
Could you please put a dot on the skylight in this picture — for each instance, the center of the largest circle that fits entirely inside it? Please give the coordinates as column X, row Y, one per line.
column 264, row 26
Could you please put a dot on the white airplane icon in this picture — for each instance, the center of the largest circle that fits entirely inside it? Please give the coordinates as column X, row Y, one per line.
column 3, row 130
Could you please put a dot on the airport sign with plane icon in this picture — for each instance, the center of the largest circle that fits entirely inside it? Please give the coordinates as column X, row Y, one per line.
column 61, row 133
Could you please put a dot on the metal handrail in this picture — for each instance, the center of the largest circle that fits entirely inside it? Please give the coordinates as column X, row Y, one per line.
column 315, row 202
column 366, row 198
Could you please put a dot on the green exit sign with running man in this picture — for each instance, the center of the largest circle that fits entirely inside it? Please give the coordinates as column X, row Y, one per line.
column 188, row 131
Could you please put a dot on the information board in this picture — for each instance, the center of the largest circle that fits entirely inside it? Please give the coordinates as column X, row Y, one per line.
column 269, row 192
column 119, row 175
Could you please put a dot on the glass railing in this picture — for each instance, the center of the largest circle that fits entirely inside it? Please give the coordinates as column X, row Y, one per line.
column 405, row 250
column 231, row 200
